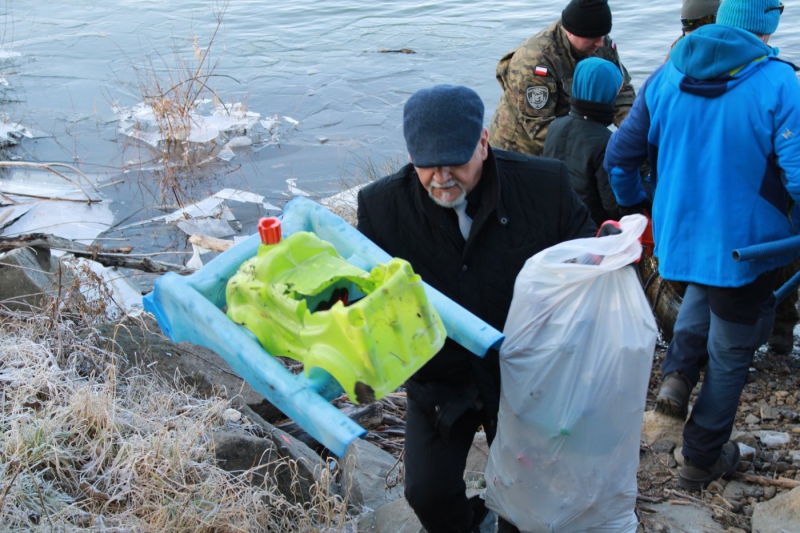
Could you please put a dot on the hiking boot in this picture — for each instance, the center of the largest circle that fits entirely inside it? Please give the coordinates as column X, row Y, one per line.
column 695, row 477
column 781, row 342
column 673, row 397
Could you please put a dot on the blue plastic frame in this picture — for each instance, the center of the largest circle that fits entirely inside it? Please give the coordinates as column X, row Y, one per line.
column 189, row 308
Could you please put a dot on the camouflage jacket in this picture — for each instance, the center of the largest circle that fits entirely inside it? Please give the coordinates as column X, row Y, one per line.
column 537, row 84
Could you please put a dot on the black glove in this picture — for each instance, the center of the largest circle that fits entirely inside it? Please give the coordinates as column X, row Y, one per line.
column 645, row 207
column 609, row 227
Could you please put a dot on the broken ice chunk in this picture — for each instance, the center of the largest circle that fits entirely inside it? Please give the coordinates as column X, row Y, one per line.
column 226, row 154
column 239, row 196
column 212, row 227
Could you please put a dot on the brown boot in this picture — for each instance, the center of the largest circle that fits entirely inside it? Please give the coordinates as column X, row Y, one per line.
column 781, row 341
column 673, row 397
column 696, row 477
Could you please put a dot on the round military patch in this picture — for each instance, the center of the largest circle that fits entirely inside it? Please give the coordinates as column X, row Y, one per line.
column 537, row 96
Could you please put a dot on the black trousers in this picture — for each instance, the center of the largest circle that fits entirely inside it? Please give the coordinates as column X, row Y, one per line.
column 434, row 469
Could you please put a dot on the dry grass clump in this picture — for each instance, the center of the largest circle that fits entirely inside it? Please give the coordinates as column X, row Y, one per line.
column 82, row 450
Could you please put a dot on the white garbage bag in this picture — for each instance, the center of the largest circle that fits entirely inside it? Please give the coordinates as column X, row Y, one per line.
column 575, row 367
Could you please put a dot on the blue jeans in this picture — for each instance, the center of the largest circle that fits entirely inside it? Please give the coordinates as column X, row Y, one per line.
column 724, row 326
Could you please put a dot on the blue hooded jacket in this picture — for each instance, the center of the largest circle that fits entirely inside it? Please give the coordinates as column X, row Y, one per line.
column 720, row 123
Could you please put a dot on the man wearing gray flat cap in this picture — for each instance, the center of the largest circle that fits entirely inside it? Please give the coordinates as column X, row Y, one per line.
column 467, row 217
column 696, row 13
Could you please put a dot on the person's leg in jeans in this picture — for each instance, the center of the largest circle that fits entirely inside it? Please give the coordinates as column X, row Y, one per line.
column 687, row 351
column 689, row 346
column 741, row 319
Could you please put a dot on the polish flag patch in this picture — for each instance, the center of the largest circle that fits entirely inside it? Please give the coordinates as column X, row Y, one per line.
column 540, row 71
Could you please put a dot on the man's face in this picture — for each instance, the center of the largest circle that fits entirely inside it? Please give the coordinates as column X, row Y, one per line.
column 449, row 186
column 585, row 46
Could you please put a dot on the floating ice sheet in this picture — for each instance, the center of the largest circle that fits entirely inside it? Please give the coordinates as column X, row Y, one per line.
column 226, row 154
column 213, row 227
column 8, row 215
column 239, row 196
column 238, row 142
column 39, row 184
column 70, row 220
column 208, row 208
column 230, row 125
column 43, row 183
column 213, row 207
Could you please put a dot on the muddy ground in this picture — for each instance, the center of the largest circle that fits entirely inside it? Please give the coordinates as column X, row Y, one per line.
column 769, row 403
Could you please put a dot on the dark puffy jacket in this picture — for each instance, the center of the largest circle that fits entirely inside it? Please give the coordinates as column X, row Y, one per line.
column 527, row 205
column 580, row 141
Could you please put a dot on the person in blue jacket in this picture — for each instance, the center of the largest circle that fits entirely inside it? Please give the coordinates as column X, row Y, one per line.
column 720, row 123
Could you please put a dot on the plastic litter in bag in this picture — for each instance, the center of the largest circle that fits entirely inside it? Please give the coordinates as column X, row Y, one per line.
column 575, row 367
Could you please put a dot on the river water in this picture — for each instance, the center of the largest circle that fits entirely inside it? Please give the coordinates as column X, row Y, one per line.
column 318, row 61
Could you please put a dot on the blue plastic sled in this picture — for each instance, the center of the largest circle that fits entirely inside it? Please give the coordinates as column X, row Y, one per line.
column 189, row 308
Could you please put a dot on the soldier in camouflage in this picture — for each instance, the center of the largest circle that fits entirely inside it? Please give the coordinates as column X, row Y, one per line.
column 537, row 77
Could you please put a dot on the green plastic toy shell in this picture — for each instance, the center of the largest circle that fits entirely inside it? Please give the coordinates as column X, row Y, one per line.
column 370, row 346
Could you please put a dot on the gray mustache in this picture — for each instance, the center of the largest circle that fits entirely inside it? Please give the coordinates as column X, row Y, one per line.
column 445, row 185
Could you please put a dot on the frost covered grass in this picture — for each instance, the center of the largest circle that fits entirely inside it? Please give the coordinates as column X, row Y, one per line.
column 83, row 447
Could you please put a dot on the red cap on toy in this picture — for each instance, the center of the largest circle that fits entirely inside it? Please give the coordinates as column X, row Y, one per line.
column 270, row 230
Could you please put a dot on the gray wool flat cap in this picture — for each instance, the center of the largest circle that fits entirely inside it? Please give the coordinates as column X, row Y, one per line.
column 442, row 125
column 697, row 9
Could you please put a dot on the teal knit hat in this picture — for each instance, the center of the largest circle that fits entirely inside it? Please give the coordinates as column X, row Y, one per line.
column 756, row 16
column 596, row 80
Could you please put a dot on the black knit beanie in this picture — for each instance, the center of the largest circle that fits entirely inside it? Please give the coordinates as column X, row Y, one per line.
column 587, row 18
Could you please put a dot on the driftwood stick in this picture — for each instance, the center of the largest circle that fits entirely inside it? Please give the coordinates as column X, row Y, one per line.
column 95, row 253
column 210, row 243
column 121, row 260
column 40, row 240
column 648, row 499
column 685, row 497
column 765, row 481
